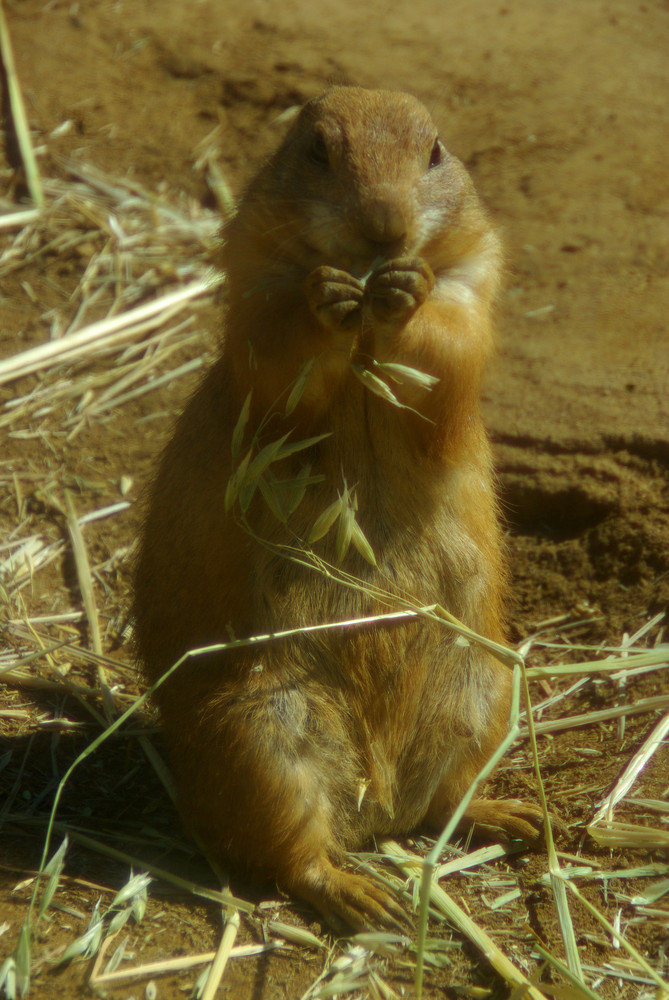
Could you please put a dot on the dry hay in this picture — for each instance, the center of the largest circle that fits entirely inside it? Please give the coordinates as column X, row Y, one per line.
column 135, row 246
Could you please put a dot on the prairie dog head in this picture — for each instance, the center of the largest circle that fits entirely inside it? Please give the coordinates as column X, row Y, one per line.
column 362, row 176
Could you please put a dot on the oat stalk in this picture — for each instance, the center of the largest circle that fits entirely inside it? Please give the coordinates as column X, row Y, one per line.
column 19, row 114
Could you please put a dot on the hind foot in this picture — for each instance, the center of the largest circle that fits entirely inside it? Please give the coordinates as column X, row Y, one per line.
column 347, row 900
column 509, row 819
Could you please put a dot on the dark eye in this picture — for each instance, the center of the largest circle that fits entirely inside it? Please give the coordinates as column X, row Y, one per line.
column 318, row 151
column 435, row 155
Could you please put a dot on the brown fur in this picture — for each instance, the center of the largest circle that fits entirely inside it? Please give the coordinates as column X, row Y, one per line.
column 271, row 747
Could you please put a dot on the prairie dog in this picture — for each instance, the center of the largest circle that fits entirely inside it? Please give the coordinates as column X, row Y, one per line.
column 360, row 243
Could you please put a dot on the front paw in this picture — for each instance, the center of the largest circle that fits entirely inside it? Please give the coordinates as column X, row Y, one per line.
column 396, row 289
column 335, row 298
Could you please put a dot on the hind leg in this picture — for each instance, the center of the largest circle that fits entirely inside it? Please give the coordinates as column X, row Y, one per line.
column 263, row 788
column 498, row 819
column 505, row 819
column 482, row 722
column 299, row 820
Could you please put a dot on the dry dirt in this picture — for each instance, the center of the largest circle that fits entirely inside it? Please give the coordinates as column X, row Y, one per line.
column 560, row 113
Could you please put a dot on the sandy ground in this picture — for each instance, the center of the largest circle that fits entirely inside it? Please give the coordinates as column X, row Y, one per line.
column 558, row 110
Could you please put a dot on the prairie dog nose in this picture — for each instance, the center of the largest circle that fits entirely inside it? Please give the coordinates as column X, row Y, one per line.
column 383, row 222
